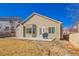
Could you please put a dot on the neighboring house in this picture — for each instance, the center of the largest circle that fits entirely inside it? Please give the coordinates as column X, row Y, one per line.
column 74, row 36
column 66, row 32
column 8, row 25
column 75, row 28
column 37, row 26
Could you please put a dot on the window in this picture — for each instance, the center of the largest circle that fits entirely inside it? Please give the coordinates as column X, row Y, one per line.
column 6, row 28
column 51, row 29
column 29, row 30
column 12, row 28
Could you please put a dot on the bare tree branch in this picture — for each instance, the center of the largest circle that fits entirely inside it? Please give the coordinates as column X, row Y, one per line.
column 73, row 10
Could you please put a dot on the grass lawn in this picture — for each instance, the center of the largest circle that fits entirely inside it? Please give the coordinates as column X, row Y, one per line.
column 19, row 47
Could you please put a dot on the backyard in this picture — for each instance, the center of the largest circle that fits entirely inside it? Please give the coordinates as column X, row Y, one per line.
column 20, row 47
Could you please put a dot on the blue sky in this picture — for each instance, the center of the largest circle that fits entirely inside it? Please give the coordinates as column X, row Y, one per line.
column 54, row 11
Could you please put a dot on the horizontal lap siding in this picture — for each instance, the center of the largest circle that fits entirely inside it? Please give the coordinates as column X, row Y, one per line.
column 44, row 22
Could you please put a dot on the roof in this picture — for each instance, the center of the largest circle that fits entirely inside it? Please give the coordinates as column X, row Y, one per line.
column 9, row 18
column 39, row 15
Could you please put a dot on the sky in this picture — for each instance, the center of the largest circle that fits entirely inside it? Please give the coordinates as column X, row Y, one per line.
column 23, row 10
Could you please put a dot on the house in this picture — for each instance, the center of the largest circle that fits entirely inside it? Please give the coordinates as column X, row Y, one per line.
column 74, row 36
column 8, row 25
column 66, row 31
column 65, row 34
column 37, row 26
column 75, row 28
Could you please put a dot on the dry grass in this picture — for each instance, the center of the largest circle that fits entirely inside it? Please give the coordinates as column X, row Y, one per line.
column 12, row 47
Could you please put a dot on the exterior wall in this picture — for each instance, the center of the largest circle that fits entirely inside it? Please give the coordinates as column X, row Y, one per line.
column 74, row 40
column 44, row 22
column 78, row 27
column 3, row 24
column 19, row 31
column 15, row 23
column 66, row 32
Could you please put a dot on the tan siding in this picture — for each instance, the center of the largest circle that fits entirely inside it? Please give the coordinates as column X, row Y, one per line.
column 19, row 31
column 44, row 22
